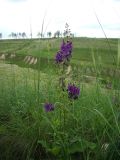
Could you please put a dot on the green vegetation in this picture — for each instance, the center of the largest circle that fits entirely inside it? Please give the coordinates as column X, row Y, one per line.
column 48, row 47
column 87, row 128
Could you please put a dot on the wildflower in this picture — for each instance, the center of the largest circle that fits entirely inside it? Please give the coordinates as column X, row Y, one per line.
column 66, row 49
column 59, row 57
column 65, row 52
column 73, row 91
column 48, row 107
column 69, row 46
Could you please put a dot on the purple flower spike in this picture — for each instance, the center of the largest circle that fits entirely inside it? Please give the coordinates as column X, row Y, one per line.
column 65, row 52
column 59, row 57
column 69, row 46
column 73, row 91
column 66, row 49
column 48, row 107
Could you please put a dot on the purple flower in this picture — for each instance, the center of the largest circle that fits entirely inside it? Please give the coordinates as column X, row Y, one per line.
column 69, row 46
column 73, row 91
column 48, row 107
column 66, row 49
column 59, row 57
column 65, row 52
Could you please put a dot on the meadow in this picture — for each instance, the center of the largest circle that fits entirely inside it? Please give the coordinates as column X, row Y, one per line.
column 83, row 128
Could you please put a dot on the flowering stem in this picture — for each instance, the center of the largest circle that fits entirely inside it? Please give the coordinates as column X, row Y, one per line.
column 64, row 120
column 73, row 111
column 60, row 119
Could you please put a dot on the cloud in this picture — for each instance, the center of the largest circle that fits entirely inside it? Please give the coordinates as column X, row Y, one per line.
column 79, row 14
column 116, row 0
column 14, row 1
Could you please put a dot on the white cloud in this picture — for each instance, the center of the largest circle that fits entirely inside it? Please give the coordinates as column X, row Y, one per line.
column 17, row 15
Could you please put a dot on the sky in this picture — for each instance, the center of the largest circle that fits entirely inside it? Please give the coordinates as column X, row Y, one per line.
column 83, row 16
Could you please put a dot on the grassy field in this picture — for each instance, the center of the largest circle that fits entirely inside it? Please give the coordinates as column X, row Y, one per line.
column 86, row 128
column 82, row 48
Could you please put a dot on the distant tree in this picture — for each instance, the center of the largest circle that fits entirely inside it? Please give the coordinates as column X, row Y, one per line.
column 23, row 35
column 64, row 34
column 0, row 35
column 19, row 34
column 13, row 35
column 49, row 34
column 40, row 35
column 57, row 34
column 72, row 35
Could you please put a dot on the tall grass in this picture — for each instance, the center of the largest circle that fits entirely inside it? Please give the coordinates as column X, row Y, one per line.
column 27, row 132
column 118, row 58
column 87, row 128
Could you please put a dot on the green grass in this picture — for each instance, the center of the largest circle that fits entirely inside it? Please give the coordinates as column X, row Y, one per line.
column 87, row 128
column 44, row 48
column 27, row 131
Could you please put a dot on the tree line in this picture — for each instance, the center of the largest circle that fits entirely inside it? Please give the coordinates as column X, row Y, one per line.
column 49, row 34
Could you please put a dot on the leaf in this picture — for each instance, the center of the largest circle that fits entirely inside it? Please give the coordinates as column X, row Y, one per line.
column 91, row 145
column 43, row 143
column 56, row 122
column 76, row 147
column 81, row 145
column 55, row 150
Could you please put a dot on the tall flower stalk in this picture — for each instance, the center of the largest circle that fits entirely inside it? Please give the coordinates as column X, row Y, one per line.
column 63, row 57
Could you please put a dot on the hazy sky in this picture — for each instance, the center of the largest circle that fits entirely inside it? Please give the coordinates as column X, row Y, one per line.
column 19, row 15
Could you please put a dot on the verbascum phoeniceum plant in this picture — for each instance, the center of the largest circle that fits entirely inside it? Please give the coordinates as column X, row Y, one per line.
column 68, row 93
column 62, row 59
